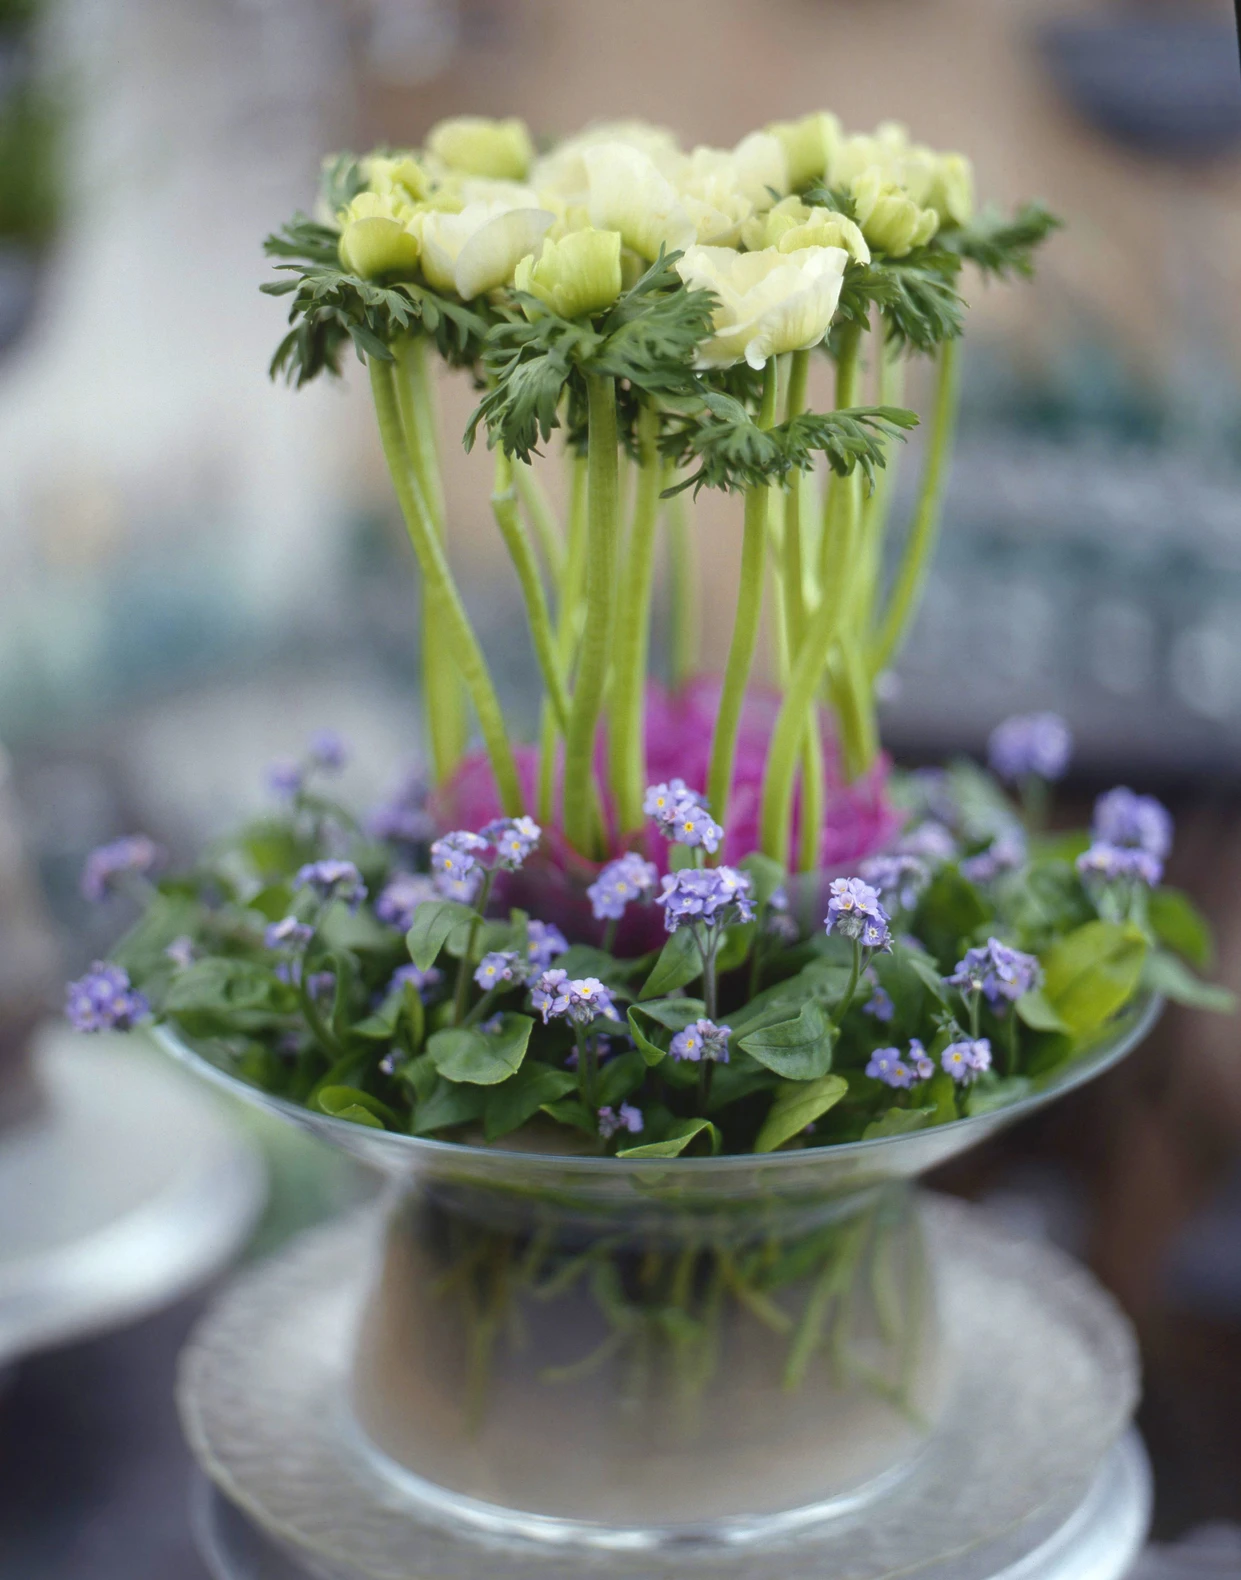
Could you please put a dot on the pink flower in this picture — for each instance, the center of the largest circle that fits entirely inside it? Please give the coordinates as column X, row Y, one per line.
column 859, row 820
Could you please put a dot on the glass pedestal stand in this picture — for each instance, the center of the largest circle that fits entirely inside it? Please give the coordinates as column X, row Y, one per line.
column 1029, row 1472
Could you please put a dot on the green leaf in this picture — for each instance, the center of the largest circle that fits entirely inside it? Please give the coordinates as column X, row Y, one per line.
column 519, row 1098
column 347, row 1102
column 798, row 1104
column 1178, row 922
column 994, row 1095
column 679, row 963
column 949, row 914
column 735, row 946
column 1093, row 972
column 1003, row 246
column 766, row 876
column 434, row 921
column 1036, row 1010
column 573, row 1112
column 798, row 1049
column 899, row 1122
column 620, row 1077
column 654, row 1023
column 676, row 1141
column 449, row 1105
column 1166, row 974
column 924, row 968
column 463, row 1053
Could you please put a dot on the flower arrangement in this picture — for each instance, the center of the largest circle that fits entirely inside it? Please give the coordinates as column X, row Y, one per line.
column 693, row 920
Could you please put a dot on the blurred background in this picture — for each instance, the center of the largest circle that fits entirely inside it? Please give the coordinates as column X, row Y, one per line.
column 198, row 567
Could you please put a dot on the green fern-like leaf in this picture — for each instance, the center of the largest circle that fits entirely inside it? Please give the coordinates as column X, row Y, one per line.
column 1004, row 247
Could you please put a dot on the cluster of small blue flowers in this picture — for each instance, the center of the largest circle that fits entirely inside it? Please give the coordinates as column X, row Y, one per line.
column 403, row 818
column 854, row 911
column 332, row 880
column 702, row 1039
column 966, row 1060
column 288, row 933
column 1131, row 837
column 132, row 856
column 401, row 896
column 181, row 951
column 1030, row 745
column 899, row 878
column 999, row 973
column 714, row 896
column 544, row 942
column 614, row 1120
column 879, row 1004
column 458, row 867
column 630, row 877
column 929, row 841
column 104, row 1000
column 899, row 1070
column 1006, row 852
column 497, row 967
column 411, row 976
column 681, row 814
column 326, row 752
column 580, row 1000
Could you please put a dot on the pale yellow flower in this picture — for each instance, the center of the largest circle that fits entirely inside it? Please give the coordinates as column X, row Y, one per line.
column 770, row 302
column 479, row 248
column 374, row 236
column 580, row 273
column 477, row 146
column 792, row 224
column 809, row 146
column 892, row 221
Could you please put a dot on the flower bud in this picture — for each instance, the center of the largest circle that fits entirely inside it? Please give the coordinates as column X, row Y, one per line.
column 480, row 147
column 951, row 192
column 579, row 274
column 809, row 146
column 890, row 219
column 825, row 228
column 400, row 177
column 769, row 301
column 479, row 248
column 374, row 238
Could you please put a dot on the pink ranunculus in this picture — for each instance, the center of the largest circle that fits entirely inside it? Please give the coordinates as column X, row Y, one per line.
column 859, row 820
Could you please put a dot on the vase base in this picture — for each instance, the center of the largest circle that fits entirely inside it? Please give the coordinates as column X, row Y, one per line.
column 1047, row 1386
column 1098, row 1541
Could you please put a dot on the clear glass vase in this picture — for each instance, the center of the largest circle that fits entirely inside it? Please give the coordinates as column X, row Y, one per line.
column 631, row 1353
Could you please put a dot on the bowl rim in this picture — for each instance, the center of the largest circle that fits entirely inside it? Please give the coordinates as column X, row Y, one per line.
column 1136, row 1022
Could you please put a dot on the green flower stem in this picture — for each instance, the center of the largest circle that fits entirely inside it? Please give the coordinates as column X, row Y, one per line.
column 521, row 552
column 798, row 715
column 586, row 1067
column 855, row 973
column 792, row 573
column 627, row 756
column 745, row 626
column 567, row 631
column 463, row 970
column 877, row 507
column 925, row 528
column 813, row 769
column 542, row 518
column 442, row 589
column 580, row 820
column 609, row 934
column 443, row 695
column 686, row 593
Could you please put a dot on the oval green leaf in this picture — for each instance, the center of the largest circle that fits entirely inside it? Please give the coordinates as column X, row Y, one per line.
column 799, row 1049
column 1093, row 972
column 465, row 1054
column 434, row 920
column 798, row 1104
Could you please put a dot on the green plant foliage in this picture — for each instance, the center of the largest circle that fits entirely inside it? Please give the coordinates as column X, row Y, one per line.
column 798, row 1104
column 1094, row 972
column 1000, row 246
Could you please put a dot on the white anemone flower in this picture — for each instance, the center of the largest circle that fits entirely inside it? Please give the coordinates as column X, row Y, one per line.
column 628, row 193
column 561, row 174
column 479, row 248
column 769, row 301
